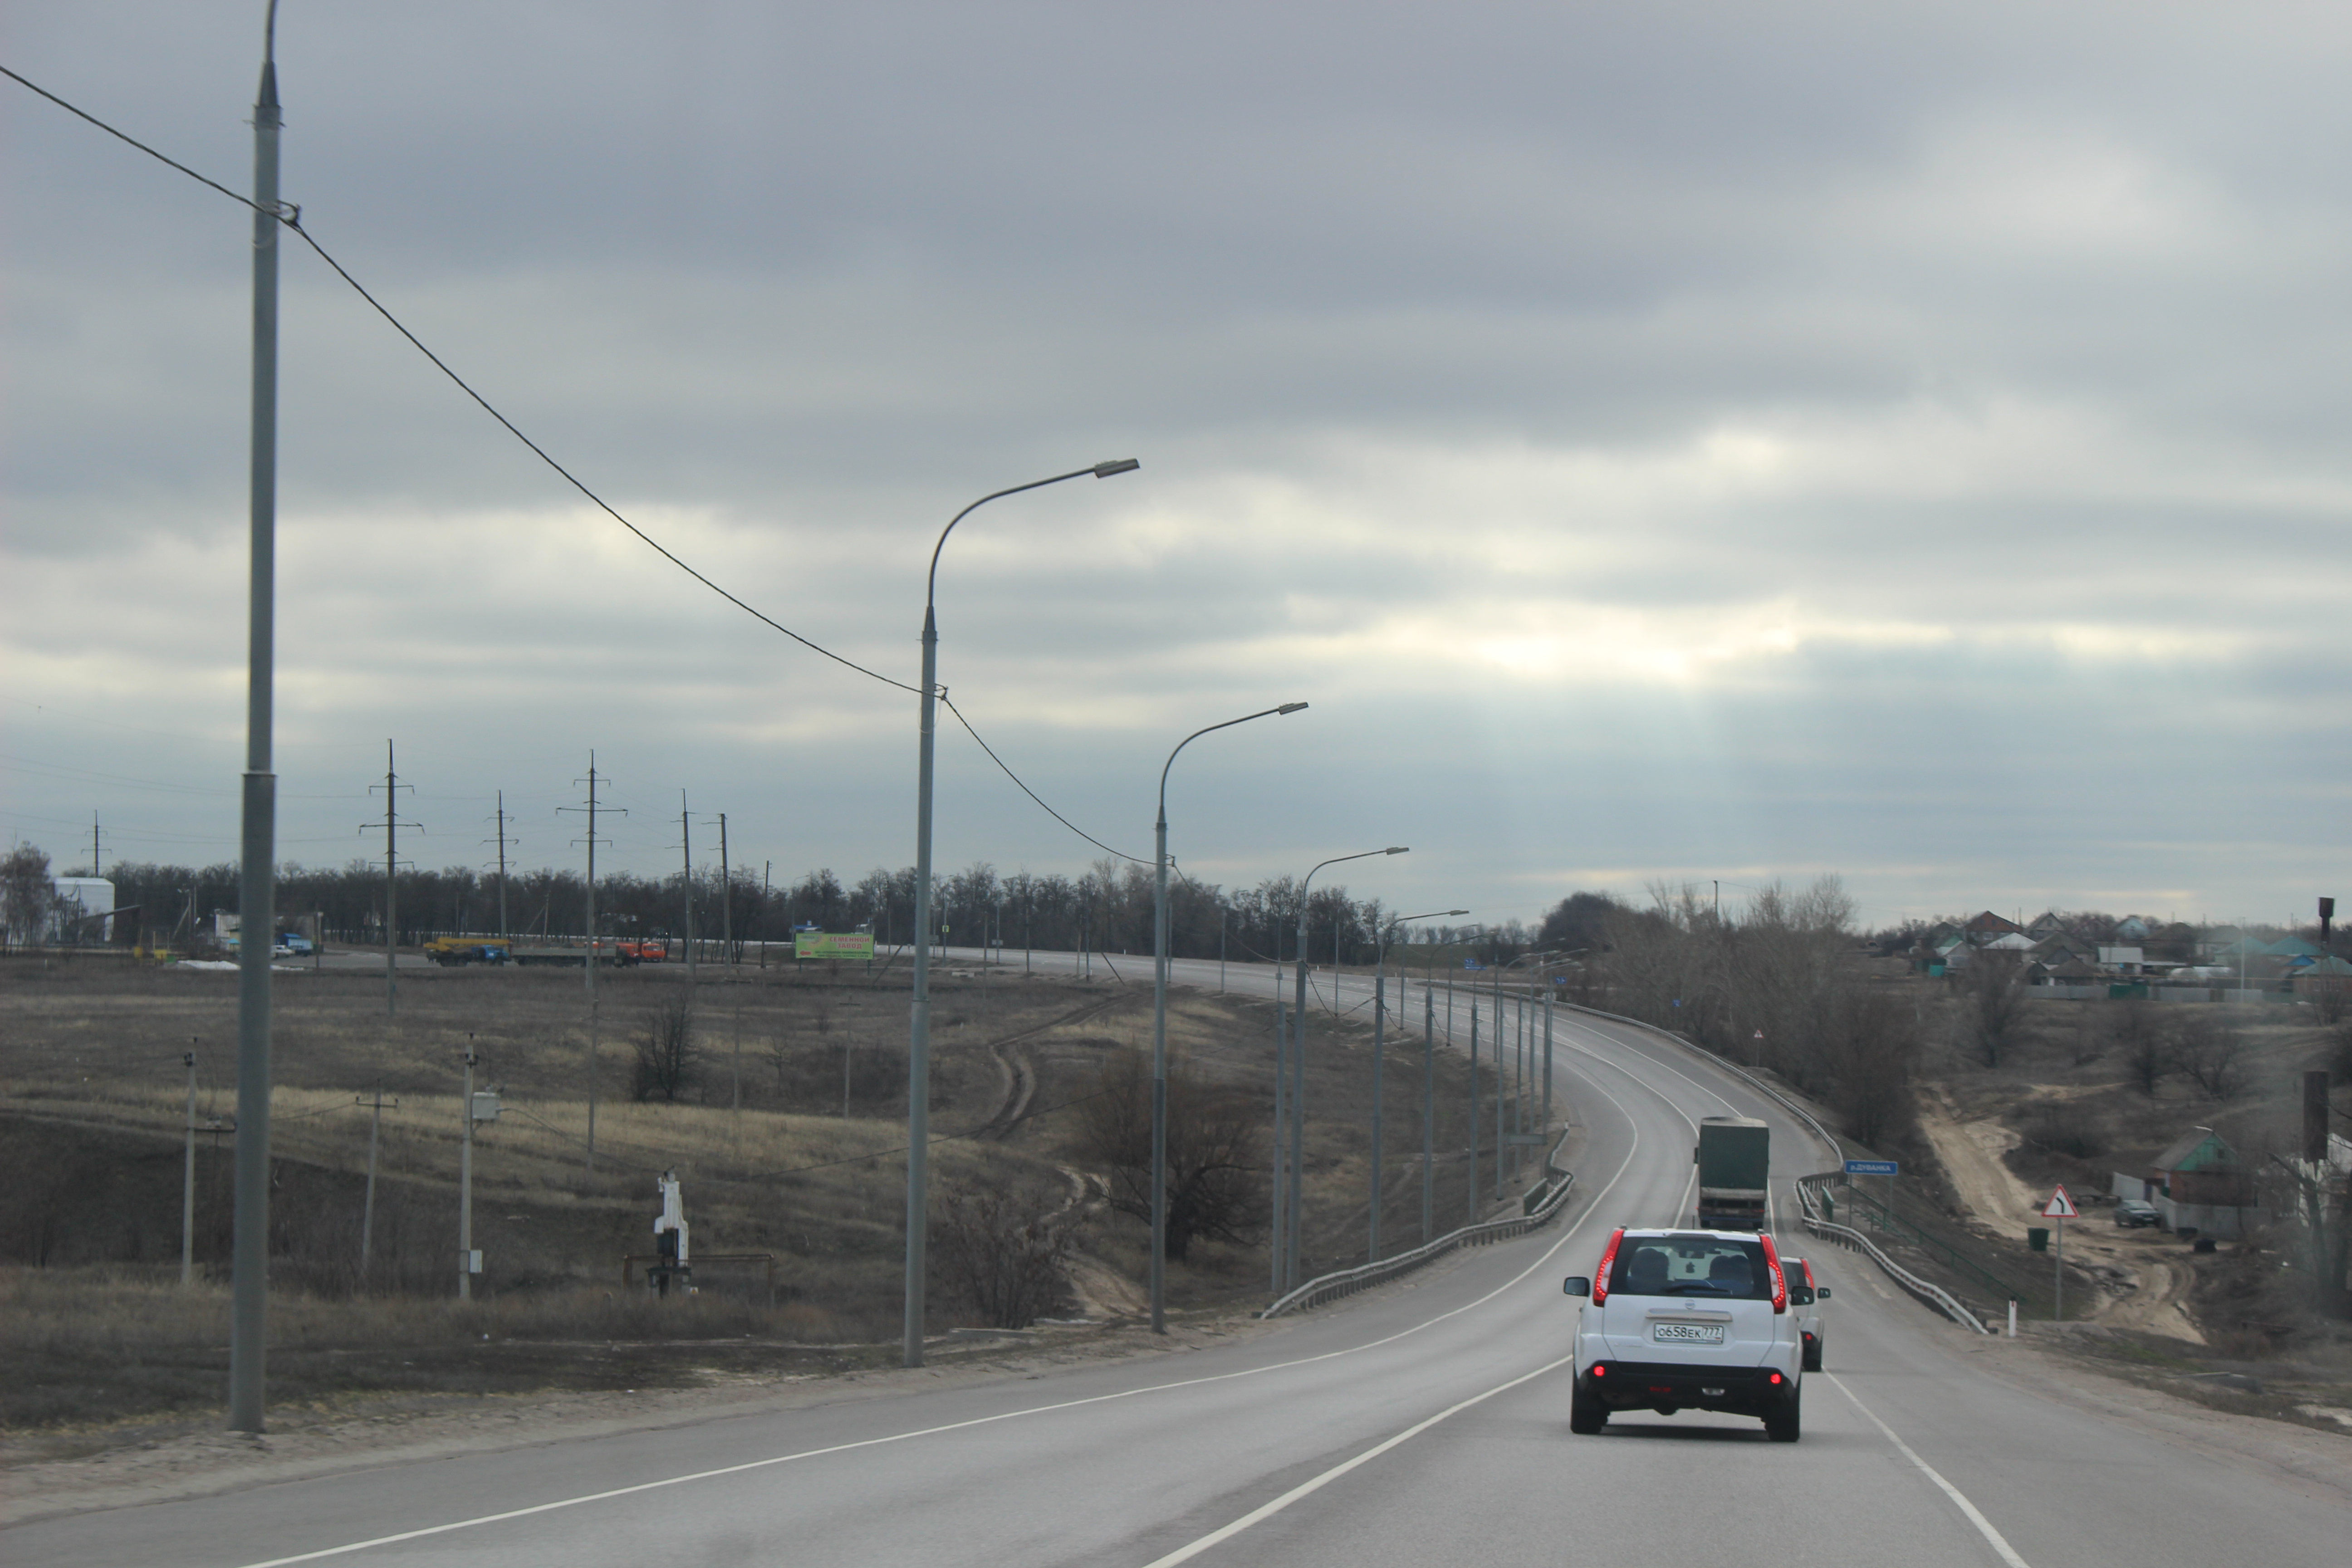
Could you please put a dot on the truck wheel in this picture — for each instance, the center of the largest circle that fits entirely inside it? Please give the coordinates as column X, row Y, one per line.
column 1782, row 1425
column 1586, row 1415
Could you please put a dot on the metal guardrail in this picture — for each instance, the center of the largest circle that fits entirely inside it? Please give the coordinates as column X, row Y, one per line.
column 1934, row 1295
column 1537, row 1209
column 1808, row 1187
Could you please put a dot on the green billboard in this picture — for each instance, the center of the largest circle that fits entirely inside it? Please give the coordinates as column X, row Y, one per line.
column 858, row 946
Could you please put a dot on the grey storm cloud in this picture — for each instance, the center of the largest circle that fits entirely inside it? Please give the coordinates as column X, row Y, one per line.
column 1902, row 442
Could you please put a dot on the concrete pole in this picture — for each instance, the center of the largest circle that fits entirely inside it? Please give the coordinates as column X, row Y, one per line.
column 686, row 884
column 594, row 1044
column 1379, row 1055
column 390, row 885
column 1278, row 1251
column 1428, row 1115
column 1547, row 1063
column 726, row 902
column 919, row 1021
column 188, row 1184
column 466, row 1183
column 1159, row 1283
column 1473, row 1113
column 367, row 1213
column 257, row 892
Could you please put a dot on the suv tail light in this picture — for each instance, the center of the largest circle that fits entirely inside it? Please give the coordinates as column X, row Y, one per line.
column 1608, row 1260
column 1779, row 1275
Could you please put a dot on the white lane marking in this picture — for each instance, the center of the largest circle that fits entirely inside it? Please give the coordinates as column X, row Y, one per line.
column 1268, row 1510
column 1567, row 1234
column 1999, row 1543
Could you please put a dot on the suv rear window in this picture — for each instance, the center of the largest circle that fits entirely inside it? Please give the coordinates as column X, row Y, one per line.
column 1698, row 1266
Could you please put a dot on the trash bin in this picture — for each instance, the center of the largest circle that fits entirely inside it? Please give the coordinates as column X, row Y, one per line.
column 2037, row 1239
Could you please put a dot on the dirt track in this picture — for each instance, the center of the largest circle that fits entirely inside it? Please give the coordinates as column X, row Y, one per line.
column 2156, row 1300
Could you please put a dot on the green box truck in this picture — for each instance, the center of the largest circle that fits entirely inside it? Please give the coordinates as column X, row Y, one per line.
column 1735, row 1165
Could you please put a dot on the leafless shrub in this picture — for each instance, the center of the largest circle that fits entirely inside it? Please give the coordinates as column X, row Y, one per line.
column 2210, row 1052
column 2144, row 1043
column 1213, row 1169
column 1002, row 1250
column 2065, row 1127
column 2093, row 1033
column 666, row 1055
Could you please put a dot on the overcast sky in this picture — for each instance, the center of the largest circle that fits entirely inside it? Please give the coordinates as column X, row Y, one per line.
column 1693, row 440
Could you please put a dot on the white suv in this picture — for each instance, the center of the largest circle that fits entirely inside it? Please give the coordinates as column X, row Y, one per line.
column 1687, row 1319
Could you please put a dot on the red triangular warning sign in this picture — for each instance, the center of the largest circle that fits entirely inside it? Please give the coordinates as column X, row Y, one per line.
column 2059, row 1206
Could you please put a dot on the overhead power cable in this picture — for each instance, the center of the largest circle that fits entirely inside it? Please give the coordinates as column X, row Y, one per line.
column 291, row 216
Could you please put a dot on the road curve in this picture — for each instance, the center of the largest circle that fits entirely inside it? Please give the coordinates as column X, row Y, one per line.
column 1423, row 1423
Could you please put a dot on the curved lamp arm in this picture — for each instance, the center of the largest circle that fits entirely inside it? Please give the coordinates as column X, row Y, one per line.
column 1285, row 708
column 1100, row 471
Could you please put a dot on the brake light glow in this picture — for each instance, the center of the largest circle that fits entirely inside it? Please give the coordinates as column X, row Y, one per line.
column 1776, row 1380
column 1600, row 1369
column 1608, row 1261
column 1780, row 1278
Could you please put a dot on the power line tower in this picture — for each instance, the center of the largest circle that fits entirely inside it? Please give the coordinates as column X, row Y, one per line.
column 592, row 781
column 502, row 841
column 392, row 786
column 93, row 843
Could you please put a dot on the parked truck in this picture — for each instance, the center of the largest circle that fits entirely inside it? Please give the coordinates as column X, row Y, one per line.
column 1735, row 1165
column 461, row 950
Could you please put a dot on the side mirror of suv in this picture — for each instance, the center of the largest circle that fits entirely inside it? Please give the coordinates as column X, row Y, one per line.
column 1577, row 1285
column 1822, row 1294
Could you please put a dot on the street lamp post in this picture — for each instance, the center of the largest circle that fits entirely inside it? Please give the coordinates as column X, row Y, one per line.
column 1380, row 1053
column 1160, row 1021
column 918, row 1032
column 1298, row 1064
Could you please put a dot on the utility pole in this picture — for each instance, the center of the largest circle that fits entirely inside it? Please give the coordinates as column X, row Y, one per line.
column 1473, row 1113
column 1547, row 1069
column 502, row 865
column 257, row 846
column 188, row 1177
column 1379, row 1055
column 726, row 901
column 93, row 843
column 392, row 826
column 367, row 1214
column 591, row 781
column 1280, row 1232
column 686, row 882
column 465, row 1185
column 1428, row 1115
column 767, row 868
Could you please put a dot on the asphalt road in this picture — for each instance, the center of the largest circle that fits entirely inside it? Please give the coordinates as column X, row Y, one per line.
column 1425, row 1423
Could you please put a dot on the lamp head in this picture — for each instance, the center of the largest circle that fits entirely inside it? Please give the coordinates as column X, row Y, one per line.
column 1292, row 708
column 1397, row 849
column 1457, row 912
column 1116, row 466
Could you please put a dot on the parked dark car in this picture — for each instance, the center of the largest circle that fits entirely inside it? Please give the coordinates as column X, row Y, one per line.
column 2133, row 1213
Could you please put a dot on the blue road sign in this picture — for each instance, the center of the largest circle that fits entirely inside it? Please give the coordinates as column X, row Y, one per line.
column 1872, row 1167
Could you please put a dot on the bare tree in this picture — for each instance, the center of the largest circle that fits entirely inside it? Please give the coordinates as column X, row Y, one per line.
column 2210, row 1052
column 1214, row 1171
column 666, row 1051
column 2144, row 1043
column 1002, row 1250
column 1992, row 988
column 1868, row 1050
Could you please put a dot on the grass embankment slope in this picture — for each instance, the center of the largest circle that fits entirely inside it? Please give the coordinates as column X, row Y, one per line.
column 92, row 1104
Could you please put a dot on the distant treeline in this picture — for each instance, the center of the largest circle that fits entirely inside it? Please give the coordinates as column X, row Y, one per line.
column 1108, row 908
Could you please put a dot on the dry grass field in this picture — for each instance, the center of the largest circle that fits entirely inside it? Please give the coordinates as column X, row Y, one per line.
column 788, row 1135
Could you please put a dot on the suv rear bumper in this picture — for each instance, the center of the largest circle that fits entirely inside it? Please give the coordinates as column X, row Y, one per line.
column 1670, row 1385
